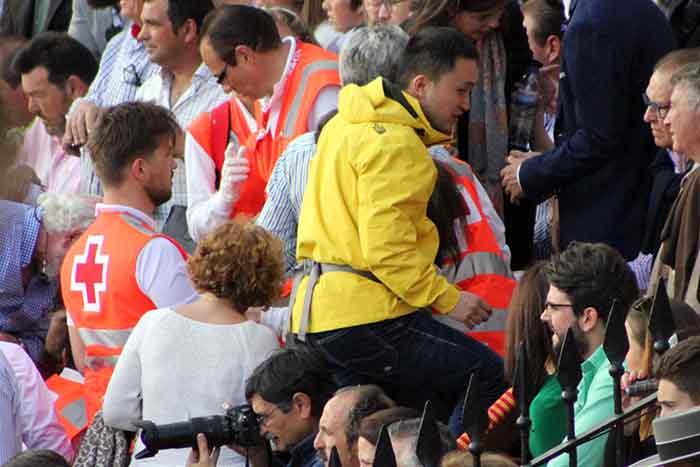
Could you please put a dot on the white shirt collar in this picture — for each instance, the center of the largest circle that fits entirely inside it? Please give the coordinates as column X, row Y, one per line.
column 102, row 208
column 567, row 5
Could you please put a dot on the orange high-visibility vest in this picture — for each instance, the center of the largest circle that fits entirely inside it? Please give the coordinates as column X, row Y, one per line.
column 70, row 404
column 482, row 269
column 314, row 70
column 101, row 295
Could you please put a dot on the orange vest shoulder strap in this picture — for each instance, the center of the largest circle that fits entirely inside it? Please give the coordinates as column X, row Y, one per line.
column 316, row 69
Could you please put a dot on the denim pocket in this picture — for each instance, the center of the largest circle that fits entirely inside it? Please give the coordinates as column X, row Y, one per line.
column 360, row 350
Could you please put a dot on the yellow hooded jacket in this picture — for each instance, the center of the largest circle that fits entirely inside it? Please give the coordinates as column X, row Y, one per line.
column 365, row 206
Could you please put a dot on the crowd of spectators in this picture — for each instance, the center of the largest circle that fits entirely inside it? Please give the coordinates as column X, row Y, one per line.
column 307, row 218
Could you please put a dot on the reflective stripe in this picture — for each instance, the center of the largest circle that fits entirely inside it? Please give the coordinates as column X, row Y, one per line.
column 72, row 375
column 475, row 264
column 76, row 413
column 95, row 363
column 107, row 337
column 497, row 321
column 136, row 224
column 291, row 119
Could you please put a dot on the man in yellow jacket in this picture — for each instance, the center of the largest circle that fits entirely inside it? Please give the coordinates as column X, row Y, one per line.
column 367, row 247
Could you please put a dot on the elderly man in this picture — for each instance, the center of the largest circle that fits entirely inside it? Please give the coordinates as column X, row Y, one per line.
column 668, row 167
column 34, row 241
column 678, row 257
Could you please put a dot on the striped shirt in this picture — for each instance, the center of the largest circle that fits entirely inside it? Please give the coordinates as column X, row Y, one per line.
column 11, row 432
column 203, row 94
column 124, row 66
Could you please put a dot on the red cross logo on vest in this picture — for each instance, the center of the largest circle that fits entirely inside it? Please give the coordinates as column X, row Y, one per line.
column 89, row 273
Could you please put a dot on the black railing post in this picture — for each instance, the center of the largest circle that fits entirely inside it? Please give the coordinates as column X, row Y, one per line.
column 569, row 375
column 661, row 323
column 616, row 346
column 522, row 389
column 474, row 418
column 384, row 452
column 429, row 445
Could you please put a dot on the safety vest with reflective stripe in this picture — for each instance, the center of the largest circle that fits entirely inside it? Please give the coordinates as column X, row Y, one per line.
column 315, row 69
column 482, row 269
column 101, row 295
column 70, row 404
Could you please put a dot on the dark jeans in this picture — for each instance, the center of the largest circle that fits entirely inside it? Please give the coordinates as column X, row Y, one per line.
column 414, row 358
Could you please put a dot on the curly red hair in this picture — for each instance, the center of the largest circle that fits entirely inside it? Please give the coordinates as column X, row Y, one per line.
column 240, row 263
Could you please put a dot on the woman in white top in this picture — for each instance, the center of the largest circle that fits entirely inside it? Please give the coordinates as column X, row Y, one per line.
column 187, row 361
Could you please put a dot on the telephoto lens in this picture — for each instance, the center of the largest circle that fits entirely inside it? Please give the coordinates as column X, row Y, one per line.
column 238, row 426
column 642, row 388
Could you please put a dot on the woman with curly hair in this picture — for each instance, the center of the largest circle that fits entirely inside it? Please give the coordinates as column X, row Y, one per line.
column 187, row 361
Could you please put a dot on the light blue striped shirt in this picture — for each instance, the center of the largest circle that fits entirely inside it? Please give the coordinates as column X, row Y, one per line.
column 11, row 432
column 124, row 67
column 203, row 94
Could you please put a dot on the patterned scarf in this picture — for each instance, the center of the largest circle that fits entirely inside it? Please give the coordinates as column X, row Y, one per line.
column 488, row 122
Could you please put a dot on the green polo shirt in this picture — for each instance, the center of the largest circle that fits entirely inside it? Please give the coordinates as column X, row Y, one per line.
column 595, row 404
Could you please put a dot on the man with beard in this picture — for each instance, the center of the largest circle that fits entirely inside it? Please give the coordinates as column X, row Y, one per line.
column 585, row 280
column 55, row 70
column 120, row 268
column 33, row 243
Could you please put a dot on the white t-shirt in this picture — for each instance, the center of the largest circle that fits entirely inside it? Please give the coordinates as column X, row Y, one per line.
column 174, row 368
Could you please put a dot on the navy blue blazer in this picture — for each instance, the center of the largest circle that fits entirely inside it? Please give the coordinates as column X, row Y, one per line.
column 599, row 167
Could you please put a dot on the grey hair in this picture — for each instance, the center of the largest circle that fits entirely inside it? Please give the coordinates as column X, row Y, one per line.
column 66, row 212
column 370, row 52
column 689, row 75
column 404, row 433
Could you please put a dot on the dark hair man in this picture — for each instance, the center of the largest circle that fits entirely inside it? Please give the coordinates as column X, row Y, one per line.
column 288, row 392
column 298, row 83
column 677, row 373
column 584, row 280
column 120, row 267
column 372, row 263
column 55, row 70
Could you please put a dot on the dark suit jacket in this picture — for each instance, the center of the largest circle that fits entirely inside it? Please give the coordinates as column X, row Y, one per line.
column 18, row 17
column 599, row 167
column 666, row 184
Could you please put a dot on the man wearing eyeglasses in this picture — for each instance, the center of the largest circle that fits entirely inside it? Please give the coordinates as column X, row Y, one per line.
column 585, row 280
column 668, row 167
column 392, row 12
column 598, row 168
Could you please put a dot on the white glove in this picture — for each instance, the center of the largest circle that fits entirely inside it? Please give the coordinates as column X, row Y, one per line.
column 234, row 173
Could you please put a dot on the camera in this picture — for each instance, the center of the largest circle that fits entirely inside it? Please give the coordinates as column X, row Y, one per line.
column 642, row 388
column 239, row 425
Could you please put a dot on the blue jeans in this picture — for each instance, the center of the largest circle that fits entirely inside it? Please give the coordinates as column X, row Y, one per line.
column 414, row 358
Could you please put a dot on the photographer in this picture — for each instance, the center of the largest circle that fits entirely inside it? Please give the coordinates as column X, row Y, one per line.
column 287, row 392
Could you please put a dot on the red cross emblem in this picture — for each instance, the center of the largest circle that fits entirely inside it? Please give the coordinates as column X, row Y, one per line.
column 89, row 273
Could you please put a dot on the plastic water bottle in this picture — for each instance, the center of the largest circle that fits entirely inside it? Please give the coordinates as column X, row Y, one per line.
column 523, row 109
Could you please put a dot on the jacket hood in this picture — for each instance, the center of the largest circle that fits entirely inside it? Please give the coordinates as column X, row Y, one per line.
column 383, row 102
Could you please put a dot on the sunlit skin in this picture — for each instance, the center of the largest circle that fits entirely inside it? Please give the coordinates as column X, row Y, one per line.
column 672, row 400
column 331, row 430
column 46, row 100
column 445, row 100
column 659, row 91
column 682, row 120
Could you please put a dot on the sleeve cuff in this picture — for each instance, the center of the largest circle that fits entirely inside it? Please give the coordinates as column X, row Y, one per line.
column 447, row 302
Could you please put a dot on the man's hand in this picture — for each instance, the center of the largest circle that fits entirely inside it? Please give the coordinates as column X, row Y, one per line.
column 470, row 310
column 202, row 457
column 234, row 173
column 509, row 174
column 82, row 120
column 627, row 379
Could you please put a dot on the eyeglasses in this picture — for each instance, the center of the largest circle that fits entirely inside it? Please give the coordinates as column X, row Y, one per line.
column 661, row 110
column 222, row 76
column 549, row 306
column 263, row 418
